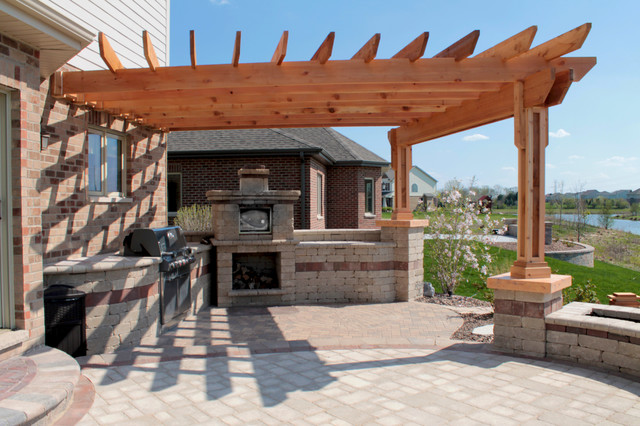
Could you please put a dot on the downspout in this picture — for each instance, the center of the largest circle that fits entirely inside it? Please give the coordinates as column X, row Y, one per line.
column 303, row 192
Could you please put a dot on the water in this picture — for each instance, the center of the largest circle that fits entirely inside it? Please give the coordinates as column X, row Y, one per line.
column 594, row 219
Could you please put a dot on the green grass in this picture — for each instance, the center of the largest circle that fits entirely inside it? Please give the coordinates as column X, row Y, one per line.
column 416, row 215
column 607, row 277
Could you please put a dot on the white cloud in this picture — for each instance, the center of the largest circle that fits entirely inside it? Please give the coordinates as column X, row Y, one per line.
column 576, row 157
column 561, row 133
column 475, row 137
column 617, row 161
column 551, row 166
column 603, row 176
column 219, row 2
column 509, row 169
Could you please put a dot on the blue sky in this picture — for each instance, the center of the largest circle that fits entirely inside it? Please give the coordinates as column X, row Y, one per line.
column 594, row 133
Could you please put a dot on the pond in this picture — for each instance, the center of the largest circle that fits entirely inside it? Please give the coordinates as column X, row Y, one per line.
column 594, row 219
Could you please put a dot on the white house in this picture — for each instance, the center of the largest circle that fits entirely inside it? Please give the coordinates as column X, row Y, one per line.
column 421, row 184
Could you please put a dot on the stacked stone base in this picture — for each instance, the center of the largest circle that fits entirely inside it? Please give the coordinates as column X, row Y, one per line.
column 519, row 325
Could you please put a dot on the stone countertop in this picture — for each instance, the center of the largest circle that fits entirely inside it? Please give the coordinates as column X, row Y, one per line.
column 107, row 262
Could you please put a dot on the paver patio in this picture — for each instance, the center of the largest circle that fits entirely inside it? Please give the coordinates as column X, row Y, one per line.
column 377, row 364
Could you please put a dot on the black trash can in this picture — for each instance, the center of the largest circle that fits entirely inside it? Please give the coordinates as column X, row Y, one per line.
column 64, row 319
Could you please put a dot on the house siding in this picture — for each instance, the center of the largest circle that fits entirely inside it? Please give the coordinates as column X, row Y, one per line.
column 123, row 26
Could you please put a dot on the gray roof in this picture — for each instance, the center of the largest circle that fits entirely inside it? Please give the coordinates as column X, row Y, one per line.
column 325, row 142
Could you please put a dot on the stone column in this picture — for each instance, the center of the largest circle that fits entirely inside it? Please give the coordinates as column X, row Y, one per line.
column 408, row 236
column 529, row 292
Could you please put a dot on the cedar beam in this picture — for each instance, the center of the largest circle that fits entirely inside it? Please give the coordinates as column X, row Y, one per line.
column 344, row 73
column 149, row 51
column 490, row 107
column 561, row 45
column 281, row 49
column 323, row 53
column 414, row 50
column 462, row 48
column 368, row 52
column 108, row 55
column 560, row 88
column 192, row 45
column 236, row 50
column 512, row 46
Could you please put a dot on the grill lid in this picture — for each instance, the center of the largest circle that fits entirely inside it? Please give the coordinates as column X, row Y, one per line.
column 154, row 241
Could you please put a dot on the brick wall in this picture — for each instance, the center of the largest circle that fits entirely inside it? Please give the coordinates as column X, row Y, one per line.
column 200, row 175
column 73, row 224
column 345, row 197
column 20, row 74
column 344, row 187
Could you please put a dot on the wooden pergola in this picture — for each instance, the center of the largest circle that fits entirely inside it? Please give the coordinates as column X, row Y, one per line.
column 425, row 98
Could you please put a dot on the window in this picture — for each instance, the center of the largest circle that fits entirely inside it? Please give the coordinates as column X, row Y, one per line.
column 368, row 196
column 320, row 204
column 174, row 192
column 106, row 164
column 7, row 315
column 414, row 187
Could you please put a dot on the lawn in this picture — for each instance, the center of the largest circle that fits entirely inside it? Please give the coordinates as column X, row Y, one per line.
column 607, row 277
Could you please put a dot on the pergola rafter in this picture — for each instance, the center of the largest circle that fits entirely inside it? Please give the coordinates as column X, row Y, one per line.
column 425, row 98
column 362, row 91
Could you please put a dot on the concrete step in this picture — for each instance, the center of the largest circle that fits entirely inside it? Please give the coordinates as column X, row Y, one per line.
column 37, row 388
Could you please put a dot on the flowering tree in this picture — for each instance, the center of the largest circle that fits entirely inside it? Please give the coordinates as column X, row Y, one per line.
column 459, row 232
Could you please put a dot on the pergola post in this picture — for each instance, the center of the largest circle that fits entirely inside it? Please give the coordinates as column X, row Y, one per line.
column 401, row 163
column 529, row 292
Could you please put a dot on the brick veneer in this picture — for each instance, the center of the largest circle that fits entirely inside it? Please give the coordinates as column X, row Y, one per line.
column 52, row 217
column 344, row 186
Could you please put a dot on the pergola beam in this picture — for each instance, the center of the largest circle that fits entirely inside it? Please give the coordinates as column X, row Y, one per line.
column 323, row 53
column 314, row 74
column 561, row 45
column 368, row 52
column 462, row 48
column 192, row 48
column 108, row 55
column 149, row 51
column 281, row 49
column 414, row 50
column 235, row 59
column 511, row 47
column 489, row 108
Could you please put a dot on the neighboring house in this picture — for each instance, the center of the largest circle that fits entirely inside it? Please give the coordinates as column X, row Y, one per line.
column 74, row 180
column 421, row 184
column 339, row 180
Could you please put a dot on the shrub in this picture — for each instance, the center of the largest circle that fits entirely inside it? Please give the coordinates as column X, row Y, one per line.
column 460, row 232
column 580, row 292
column 194, row 218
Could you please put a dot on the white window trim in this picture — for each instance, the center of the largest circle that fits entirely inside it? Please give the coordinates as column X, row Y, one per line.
column 372, row 213
column 104, row 196
column 320, row 195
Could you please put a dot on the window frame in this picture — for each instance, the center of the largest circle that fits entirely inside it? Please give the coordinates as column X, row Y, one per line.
column 179, row 202
column 320, row 195
column 7, row 297
column 372, row 197
column 104, row 135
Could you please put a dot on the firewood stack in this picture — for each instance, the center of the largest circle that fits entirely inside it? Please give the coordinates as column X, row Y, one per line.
column 624, row 299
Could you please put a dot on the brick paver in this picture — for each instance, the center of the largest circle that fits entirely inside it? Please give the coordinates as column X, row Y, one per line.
column 358, row 364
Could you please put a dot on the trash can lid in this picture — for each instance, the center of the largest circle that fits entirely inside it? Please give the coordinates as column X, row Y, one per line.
column 60, row 291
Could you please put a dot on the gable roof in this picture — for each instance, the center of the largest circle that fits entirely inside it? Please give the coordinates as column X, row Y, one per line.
column 330, row 145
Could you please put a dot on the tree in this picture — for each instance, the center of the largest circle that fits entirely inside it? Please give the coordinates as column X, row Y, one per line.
column 635, row 209
column 580, row 224
column 606, row 217
column 459, row 233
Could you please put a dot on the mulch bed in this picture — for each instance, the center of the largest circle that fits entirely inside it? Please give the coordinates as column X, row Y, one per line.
column 471, row 321
column 554, row 246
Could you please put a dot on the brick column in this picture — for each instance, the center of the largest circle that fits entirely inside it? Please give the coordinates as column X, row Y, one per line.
column 408, row 254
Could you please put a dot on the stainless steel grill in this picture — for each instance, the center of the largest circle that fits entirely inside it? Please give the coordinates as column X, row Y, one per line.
column 175, row 269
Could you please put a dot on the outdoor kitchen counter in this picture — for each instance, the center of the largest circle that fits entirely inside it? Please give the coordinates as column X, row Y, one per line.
column 108, row 262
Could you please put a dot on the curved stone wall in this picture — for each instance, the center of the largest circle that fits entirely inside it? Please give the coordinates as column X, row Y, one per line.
column 583, row 257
